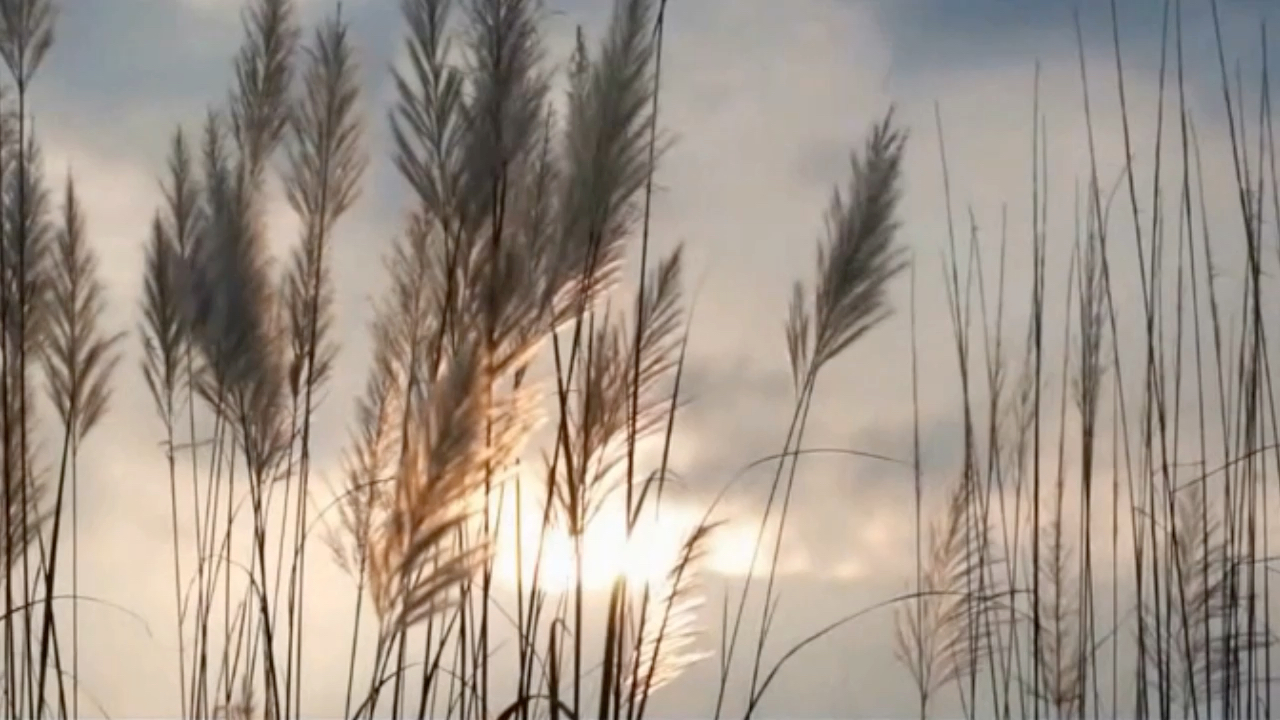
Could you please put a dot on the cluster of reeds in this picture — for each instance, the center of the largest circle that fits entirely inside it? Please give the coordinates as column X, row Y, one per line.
column 516, row 365
column 1158, row 418
column 501, row 309
column 51, row 302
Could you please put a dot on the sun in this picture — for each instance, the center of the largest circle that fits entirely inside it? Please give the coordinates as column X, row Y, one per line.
column 646, row 557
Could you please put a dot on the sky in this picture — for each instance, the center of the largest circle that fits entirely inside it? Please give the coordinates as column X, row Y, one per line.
column 764, row 101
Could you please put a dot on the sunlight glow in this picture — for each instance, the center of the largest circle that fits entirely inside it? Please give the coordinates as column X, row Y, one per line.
column 647, row 557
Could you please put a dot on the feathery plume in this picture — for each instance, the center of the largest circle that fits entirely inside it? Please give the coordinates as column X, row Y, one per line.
column 230, row 308
column 427, row 125
column 606, row 155
column 932, row 634
column 855, row 262
column 1062, row 667
column 605, row 389
column 326, row 163
column 370, row 463
column 78, row 359
column 263, row 69
column 665, row 647
column 508, row 91
column 414, row 563
column 165, row 342
column 162, row 330
column 26, row 244
column 26, row 34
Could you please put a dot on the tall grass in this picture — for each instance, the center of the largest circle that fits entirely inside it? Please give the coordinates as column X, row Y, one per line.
column 1190, row 410
column 519, row 370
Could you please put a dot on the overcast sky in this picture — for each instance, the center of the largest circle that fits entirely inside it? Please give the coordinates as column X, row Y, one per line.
column 764, row 98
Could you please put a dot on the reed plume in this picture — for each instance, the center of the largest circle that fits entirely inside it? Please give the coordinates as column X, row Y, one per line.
column 855, row 263
column 412, row 566
column 856, row 259
column 78, row 358
column 933, row 634
column 326, row 164
column 78, row 362
column 665, row 646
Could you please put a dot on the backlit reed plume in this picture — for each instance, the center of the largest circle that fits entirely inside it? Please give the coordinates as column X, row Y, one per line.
column 27, row 239
column 669, row 627
column 606, row 153
column 326, row 164
column 602, row 408
column 1062, row 668
column 26, row 34
column 22, row 254
column 933, row 635
column 1196, row 637
column 233, row 315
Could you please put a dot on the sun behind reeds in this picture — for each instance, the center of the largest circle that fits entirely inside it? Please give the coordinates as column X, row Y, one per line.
column 644, row 556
